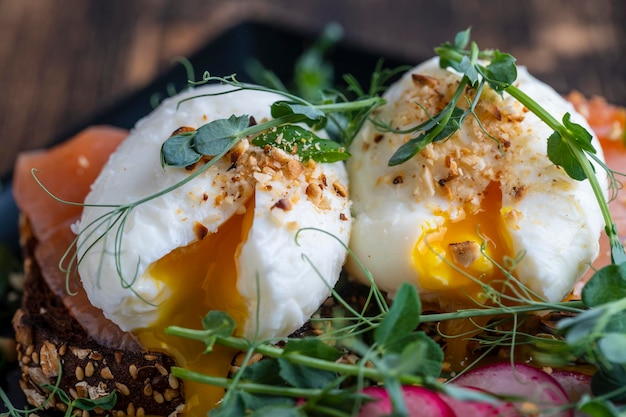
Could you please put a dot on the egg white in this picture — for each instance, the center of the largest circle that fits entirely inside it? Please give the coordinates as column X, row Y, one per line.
column 283, row 279
column 556, row 222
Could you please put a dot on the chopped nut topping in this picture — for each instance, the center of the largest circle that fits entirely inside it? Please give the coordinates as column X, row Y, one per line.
column 293, row 169
column 464, row 253
column 283, row 204
column 315, row 193
column 519, row 192
column 420, row 80
column 182, row 129
column 340, row 189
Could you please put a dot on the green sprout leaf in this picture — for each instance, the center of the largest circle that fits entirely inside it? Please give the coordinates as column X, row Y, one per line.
column 582, row 137
column 440, row 128
column 313, row 74
column 311, row 115
column 598, row 407
column 468, row 68
column 219, row 323
column 235, row 405
column 606, row 285
column 216, row 136
column 305, row 376
column 604, row 381
column 264, row 372
column 312, row 347
column 562, row 155
column 462, row 39
column 106, row 402
column 294, row 139
column 415, row 353
column 178, row 150
column 403, row 316
column 216, row 323
column 578, row 328
column 501, row 71
column 613, row 346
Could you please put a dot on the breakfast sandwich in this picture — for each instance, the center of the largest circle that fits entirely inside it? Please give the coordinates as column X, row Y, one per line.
column 160, row 245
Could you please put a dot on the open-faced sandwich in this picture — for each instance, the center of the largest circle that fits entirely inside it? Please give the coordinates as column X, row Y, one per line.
column 163, row 263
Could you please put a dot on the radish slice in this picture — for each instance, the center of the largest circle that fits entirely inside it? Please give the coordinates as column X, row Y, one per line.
column 575, row 384
column 467, row 408
column 419, row 401
column 536, row 387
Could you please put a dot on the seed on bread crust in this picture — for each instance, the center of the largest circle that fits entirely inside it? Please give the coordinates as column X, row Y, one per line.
column 86, row 369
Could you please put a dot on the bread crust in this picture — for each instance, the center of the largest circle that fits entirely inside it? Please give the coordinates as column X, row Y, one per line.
column 52, row 347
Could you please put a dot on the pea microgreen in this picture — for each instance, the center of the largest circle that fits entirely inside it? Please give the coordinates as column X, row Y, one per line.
column 391, row 348
column 296, row 139
column 304, row 376
column 596, row 334
column 214, row 139
column 313, row 73
column 569, row 146
column 283, row 131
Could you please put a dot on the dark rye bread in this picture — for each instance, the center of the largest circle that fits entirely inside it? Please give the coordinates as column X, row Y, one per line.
column 52, row 345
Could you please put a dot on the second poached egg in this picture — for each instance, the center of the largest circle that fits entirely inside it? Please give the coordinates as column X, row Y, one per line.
column 463, row 210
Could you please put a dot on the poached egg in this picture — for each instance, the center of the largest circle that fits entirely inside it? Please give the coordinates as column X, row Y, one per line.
column 485, row 206
column 227, row 240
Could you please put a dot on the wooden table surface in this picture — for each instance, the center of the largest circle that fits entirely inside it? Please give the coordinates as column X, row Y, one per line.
column 61, row 61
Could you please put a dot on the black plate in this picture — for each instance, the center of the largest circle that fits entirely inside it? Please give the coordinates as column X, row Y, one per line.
column 276, row 48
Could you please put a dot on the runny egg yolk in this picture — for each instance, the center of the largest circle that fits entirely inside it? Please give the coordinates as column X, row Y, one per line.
column 447, row 256
column 202, row 277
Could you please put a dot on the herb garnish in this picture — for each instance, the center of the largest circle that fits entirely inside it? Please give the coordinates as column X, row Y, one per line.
column 221, row 135
column 391, row 348
column 569, row 146
column 215, row 139
column 303, row 376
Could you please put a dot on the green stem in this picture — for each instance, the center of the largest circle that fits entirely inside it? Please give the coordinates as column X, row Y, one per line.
column 617, row 250
column 249, row 386
column 295, row 358
column 253, row 388
column 569, row 306
column 297, row 118
column 262, row 127
column 350, row 105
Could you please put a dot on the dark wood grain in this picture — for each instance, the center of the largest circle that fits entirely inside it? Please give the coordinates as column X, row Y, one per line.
column 63, row 60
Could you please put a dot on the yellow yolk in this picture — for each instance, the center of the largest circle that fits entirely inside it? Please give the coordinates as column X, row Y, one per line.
column 446, row 257
column 450, row 262
column 202, row 277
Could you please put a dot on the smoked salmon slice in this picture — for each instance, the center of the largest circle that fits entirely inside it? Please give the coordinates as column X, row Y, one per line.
column 67, row 171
